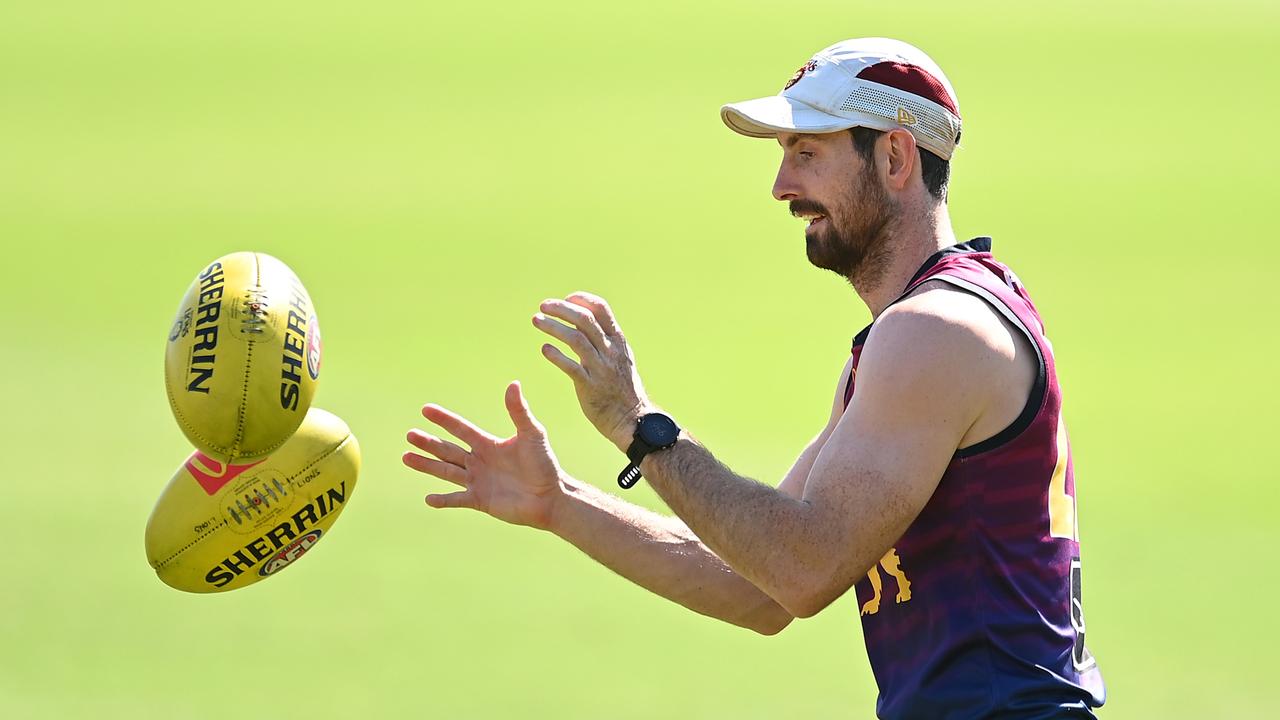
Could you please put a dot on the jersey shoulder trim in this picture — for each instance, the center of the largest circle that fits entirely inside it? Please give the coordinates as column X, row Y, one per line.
column 1039, row 388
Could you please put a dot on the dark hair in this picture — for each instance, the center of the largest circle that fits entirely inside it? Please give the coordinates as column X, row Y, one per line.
column 935, row 171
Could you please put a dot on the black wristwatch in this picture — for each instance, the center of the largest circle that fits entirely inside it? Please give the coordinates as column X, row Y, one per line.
column 654, row 431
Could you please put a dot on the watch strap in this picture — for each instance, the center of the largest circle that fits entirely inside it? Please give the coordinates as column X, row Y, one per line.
column 639, row 448
column 629, row 476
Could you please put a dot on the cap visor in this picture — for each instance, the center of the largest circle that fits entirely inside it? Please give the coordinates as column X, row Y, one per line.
column 766, row 117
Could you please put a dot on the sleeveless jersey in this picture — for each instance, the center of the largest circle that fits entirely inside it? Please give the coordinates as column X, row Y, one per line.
column 975, row 611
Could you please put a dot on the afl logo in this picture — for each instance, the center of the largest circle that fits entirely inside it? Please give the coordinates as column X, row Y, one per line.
column 289, row 553
column 313, row 348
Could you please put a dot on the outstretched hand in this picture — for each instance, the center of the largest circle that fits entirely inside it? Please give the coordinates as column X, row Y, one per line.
column 604, row 374
column 515, row 479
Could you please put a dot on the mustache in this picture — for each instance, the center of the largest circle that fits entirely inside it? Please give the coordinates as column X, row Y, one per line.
column 800, row 207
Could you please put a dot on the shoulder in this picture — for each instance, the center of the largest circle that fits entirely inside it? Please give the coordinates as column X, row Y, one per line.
column 940, row 323
column 943, row 352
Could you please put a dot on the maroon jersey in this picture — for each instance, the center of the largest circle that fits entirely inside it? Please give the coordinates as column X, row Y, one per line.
column 975, row 611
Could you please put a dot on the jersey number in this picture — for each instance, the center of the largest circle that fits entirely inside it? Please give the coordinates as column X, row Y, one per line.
column 1062, row 507
column 1064, row 523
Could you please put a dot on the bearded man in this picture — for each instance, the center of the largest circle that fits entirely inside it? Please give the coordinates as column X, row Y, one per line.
column 944, row 463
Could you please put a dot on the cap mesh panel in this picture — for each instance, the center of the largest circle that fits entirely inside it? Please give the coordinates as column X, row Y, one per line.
column 868, row 99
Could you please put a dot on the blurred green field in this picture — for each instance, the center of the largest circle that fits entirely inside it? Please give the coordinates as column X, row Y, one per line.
column 433, row 171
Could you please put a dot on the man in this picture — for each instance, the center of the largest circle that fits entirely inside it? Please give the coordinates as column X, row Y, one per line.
column 942, row 486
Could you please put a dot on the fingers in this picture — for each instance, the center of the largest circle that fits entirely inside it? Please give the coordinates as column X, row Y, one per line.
column 462, row 499
column 457, row 425
column 570, row 336
column 564, row 362
column 580, row 317
column 431, row 466
column 442, row 449
column 518, row 408
column 600, row 310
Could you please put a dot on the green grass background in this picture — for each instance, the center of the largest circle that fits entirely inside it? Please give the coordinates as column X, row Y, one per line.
column 434, row 170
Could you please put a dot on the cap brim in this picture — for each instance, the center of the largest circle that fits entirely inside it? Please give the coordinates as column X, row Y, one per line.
column 767, row 116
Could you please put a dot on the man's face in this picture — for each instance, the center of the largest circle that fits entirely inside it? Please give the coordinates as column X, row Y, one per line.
column 828, row 184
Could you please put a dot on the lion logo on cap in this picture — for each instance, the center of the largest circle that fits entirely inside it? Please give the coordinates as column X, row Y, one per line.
column 807, row 67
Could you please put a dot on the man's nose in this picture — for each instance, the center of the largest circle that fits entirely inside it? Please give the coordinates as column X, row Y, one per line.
column 784, row 186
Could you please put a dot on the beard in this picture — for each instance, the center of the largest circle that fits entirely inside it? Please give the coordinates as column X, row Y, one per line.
column 854, row 240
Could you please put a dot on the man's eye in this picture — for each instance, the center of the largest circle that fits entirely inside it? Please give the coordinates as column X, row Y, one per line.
column 806, row 154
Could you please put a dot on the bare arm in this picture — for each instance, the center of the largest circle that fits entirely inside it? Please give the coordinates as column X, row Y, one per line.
column 871, row 478
column 661, row 554
column 518, row 480
column 869, row 482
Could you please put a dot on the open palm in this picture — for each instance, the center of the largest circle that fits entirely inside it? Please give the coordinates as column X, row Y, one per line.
column 515, row 479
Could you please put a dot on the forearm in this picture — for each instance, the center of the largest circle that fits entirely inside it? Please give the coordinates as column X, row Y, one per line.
column 661, row 555
column 764, row 535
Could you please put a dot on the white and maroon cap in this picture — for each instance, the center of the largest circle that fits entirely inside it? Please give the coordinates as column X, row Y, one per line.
column 865, row 82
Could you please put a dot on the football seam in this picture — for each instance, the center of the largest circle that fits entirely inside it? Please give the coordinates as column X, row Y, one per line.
column 248, row 366
column 190, row 545
column 244, row 398
column 289, row 479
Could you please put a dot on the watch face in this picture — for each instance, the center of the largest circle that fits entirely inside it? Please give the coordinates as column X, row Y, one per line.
column 658, row 430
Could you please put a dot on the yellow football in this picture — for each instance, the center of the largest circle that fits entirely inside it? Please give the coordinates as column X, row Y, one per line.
column 243, row 357
column 219, row 527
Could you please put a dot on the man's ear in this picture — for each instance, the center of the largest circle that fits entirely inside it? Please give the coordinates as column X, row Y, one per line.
column 901, row 158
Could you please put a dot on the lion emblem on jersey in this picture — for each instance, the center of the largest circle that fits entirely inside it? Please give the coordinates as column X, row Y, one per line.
column 892, row 564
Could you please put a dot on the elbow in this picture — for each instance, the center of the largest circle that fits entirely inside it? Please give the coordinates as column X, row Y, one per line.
column 766, row 618
column 807, row 607
column 807, row 601
column 773, row 624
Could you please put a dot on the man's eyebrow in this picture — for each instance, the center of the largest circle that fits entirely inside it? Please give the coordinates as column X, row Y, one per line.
column 792, row 139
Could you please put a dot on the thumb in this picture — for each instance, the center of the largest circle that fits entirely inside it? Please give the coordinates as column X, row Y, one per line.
column 518, row 408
